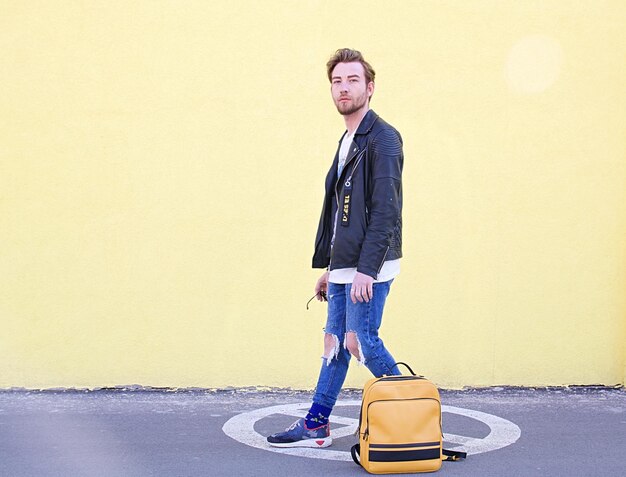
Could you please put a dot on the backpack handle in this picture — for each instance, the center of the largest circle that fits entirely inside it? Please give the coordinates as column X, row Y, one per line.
column 407, row 367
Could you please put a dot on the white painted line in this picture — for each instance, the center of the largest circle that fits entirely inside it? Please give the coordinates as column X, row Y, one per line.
column 241, row 428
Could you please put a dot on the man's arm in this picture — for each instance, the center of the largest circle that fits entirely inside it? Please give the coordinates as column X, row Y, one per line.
column 387, row 164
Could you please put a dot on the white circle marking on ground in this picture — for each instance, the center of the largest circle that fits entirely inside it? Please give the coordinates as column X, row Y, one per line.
column 241, row 428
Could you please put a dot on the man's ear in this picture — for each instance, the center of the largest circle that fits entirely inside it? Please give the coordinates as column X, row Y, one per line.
column 370, row 89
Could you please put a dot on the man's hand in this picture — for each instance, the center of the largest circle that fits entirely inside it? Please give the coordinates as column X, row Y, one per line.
column 362, row 288
column 321, row 287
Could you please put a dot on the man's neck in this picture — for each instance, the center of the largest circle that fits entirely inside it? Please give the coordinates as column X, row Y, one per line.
column 353, row 120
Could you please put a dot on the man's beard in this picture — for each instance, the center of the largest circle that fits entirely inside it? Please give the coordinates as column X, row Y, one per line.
column 346, row 109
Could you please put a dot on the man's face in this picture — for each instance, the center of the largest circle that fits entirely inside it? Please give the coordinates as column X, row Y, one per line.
column 349, row 88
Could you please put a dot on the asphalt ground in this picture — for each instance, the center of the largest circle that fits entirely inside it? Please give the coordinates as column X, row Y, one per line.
column 139, row 432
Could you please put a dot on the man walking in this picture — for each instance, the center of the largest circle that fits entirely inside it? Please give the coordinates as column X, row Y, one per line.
column 358, row 242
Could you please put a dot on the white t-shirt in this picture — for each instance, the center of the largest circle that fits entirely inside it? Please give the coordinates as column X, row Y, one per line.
column 390, row 268
column 343, row 151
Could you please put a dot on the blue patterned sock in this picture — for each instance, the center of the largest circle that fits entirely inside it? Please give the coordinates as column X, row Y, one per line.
column 317, row 416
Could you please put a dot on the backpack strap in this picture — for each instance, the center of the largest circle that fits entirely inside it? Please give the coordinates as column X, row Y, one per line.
column 355, row 451
column 453, row 455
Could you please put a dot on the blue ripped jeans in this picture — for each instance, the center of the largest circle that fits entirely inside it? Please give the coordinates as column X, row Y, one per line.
column 362, row 318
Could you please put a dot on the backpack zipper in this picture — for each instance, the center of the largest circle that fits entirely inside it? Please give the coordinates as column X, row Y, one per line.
column 385, row 378
column 367, row 423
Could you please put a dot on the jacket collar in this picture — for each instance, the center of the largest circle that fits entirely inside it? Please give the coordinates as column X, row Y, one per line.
column 365, row 125
column 367, row 122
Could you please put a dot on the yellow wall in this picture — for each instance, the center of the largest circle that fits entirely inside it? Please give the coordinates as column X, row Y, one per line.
column 161, row 175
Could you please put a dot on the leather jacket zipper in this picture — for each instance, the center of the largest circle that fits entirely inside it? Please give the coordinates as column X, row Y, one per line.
column 384, row 257
column 347, row 182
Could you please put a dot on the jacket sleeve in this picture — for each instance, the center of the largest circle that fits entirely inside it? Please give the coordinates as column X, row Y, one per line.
column 385, row 209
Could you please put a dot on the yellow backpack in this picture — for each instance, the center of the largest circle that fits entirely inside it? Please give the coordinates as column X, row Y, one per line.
column 400, row 426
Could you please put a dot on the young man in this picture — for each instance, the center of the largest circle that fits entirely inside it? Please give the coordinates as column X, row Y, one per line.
column 358, row 242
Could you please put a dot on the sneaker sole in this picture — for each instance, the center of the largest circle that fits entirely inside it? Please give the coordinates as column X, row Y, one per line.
column 314, row 443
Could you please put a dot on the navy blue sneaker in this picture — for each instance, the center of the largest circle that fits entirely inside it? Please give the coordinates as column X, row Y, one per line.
column 298, row 435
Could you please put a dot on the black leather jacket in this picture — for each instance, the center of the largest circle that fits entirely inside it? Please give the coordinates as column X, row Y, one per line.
column 369, row 196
